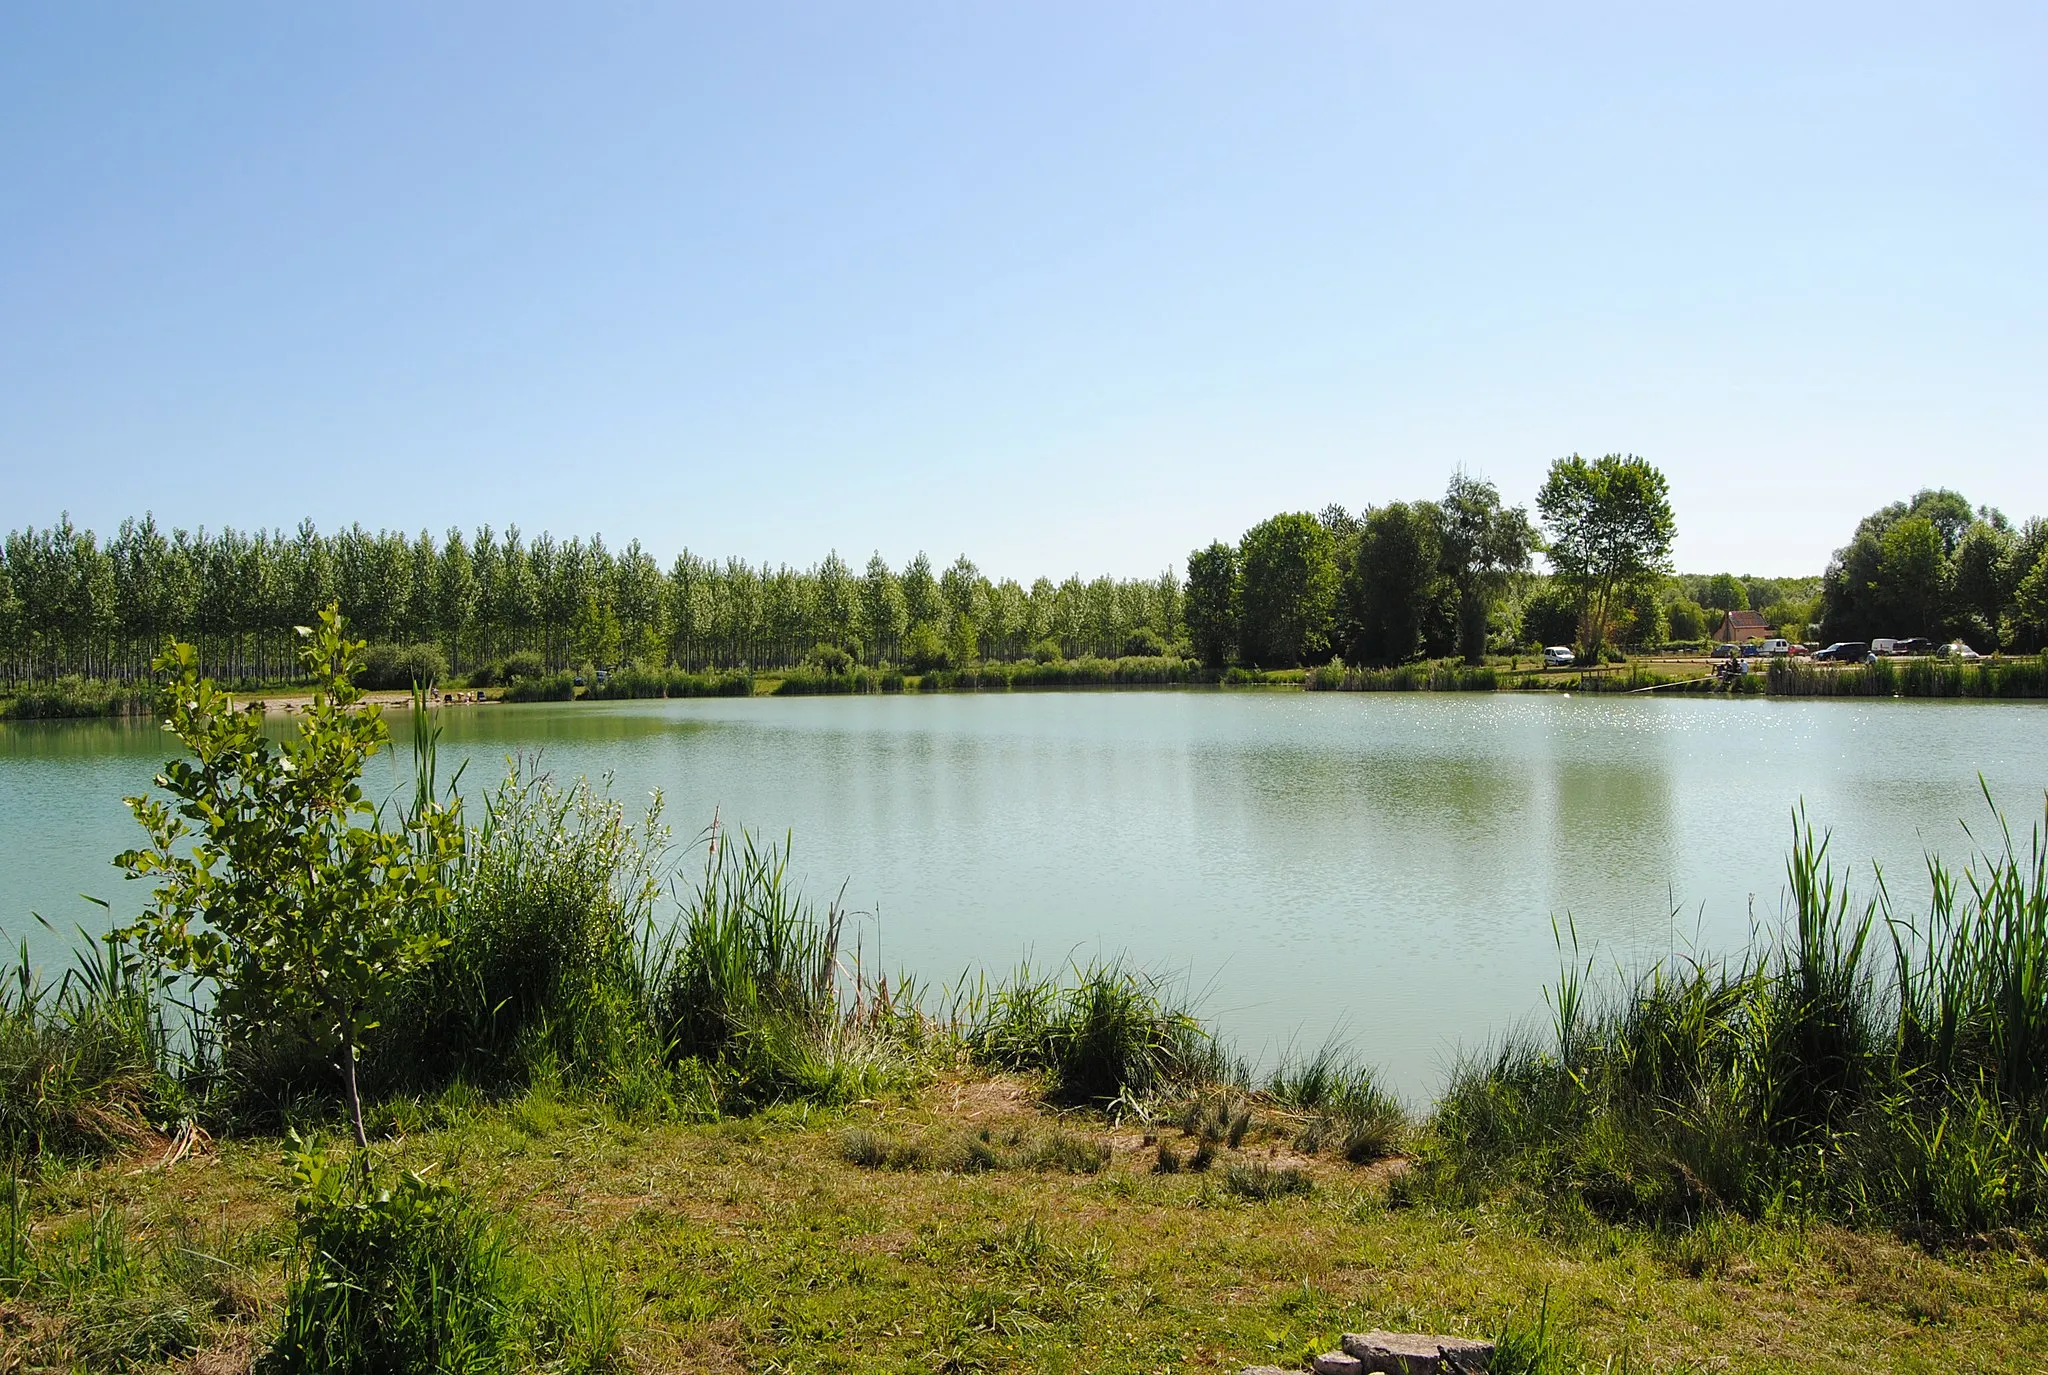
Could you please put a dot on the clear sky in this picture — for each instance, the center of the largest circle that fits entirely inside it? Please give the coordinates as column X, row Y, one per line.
column 1062, row 286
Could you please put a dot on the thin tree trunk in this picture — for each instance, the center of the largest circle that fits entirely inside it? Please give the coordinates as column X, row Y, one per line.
column 355, row 1098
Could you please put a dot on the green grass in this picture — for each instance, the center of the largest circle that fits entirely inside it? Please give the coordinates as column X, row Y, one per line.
column 758, row 1242
column 1986, row 678
column 1869, row 1065
column 84, row 1062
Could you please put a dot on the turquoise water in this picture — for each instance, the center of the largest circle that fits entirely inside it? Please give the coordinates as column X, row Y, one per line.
column 1385, row 867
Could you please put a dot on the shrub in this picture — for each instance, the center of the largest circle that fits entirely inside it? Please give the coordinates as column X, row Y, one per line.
column 524, row 663
column 73, row 696
column 553, row 687
column 829, row 659
column 1113, row 1033
column 401, row 666
column 391, row 1281
column 1047, row 652
column 302, row 921
column 925, row 650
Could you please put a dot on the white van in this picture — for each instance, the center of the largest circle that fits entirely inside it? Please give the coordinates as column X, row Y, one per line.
column 1558, row 656
column 1883, row 647
column 1774, row 649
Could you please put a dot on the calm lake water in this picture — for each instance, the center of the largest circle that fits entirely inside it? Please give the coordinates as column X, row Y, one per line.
column 1384, row 867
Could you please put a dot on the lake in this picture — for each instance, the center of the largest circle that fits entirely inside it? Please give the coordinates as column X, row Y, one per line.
column 1385, row 867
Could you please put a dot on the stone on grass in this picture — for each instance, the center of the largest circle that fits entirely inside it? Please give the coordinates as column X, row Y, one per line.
column 1416, row 1353
column 1338, row 1363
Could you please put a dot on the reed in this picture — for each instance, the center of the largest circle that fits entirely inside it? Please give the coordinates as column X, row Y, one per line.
column 2014, row 678
column 1338, row 677
column 1823, row 1073
column 648, row 681
column 86, row 1062
column 1111, row 1034
column 73, row 696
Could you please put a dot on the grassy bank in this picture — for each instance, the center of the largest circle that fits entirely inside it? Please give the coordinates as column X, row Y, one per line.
column 631, row 1107
column 782, row 1241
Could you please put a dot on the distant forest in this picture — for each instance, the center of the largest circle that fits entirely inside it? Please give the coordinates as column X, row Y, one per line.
column 1382, row 585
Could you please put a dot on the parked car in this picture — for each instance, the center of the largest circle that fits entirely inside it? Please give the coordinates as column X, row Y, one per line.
column 1774, row 649
column 1884, row 646
column 1914, row 646
column 1956, row 649
column 1724, row 652
column 1558, row 656
column 1800, row 651
column 1843, row 652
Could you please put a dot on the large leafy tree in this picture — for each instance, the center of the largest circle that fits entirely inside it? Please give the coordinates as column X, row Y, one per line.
column 1482, row 546
column 1912, row 577
column 1610, row 526
column 1860, row 595
column 1389, row 581
column 1212, row 607
column 275, row 884
column 1289, row 579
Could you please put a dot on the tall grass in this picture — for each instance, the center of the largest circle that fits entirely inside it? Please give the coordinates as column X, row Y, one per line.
column 411, row 1279
column 1338, row 677
column 1897, row 1080
column 85, row 1063
column 1130, row 671
column 1985, row 678
column 1110, row 1033
column 644, row 680
column 73, row 696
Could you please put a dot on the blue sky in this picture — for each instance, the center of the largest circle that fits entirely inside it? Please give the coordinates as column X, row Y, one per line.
column 1062, row 286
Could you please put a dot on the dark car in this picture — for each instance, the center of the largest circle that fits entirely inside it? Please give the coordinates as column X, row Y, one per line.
column 1843, row 652
column 1915, row 645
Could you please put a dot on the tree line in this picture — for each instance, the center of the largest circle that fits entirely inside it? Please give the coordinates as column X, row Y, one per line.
column 1935, row 566
column 1449, row 576
column 71, row 603
column 1434, row 578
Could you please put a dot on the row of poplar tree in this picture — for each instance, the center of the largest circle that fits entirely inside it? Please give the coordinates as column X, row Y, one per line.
column 71, row 603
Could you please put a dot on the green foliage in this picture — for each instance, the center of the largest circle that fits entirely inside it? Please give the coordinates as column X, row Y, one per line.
column 1343, row 1104
column 1214, row 603
column 74, row 696
column 1724, row 592
column 524, row 663
column 1389, row 581
column 647, row 680
column 275, row 884
column 402, row 666
column 1335, row 677
column 1550, row 616
column 1793, row 1080
column 1610, row 527
column 1112, row 1033
column 407, row 1279
column 1289, row 591
column 925, row 650
column 84, row 1064
column 540, row 964
column 1482, row 547
column 830, row 659
column 549, row 687
column 2030, row 605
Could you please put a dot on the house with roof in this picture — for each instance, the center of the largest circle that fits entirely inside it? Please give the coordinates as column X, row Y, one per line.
column 1740, row 627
